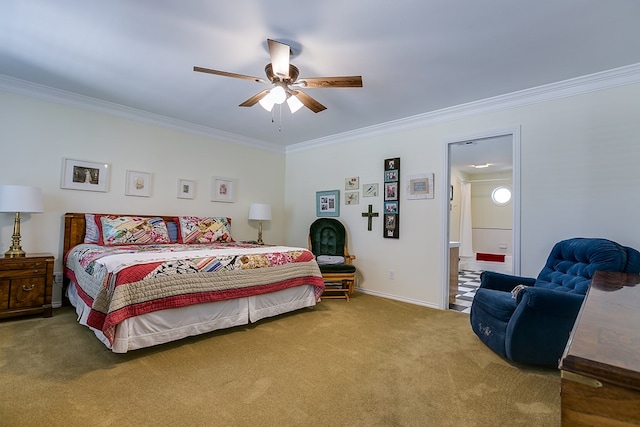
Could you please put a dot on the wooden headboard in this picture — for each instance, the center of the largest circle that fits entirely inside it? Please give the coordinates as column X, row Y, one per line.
column 74, row 227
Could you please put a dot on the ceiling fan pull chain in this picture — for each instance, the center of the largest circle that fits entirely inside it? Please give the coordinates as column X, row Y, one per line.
column 280, row 125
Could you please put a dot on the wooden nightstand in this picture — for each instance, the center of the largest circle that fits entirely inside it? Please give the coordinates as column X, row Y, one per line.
column 26, row 284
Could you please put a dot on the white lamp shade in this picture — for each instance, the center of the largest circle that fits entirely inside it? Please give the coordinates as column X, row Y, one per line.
column 20, row 198
column 259, row 211
column 278, row 94
column 294, row 103
column 267, row 102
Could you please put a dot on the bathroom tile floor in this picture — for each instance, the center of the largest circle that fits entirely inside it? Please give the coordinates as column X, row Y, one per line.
column 468, row 282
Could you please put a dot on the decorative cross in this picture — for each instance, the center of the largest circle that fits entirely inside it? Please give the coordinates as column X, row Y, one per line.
column 370, row 215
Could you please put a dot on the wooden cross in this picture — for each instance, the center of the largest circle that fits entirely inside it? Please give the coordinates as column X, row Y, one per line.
column 370, row 215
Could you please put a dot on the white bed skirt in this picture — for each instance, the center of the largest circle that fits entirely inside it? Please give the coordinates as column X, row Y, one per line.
column 173, row 324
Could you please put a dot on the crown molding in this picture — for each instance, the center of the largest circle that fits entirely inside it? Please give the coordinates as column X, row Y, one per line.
column 46, row 93
column 576, row 86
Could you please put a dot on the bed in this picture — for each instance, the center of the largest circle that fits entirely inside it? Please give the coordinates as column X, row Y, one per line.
column 139, row 280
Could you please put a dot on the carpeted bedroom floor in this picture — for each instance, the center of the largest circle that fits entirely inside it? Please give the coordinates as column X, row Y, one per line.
column 367, row 362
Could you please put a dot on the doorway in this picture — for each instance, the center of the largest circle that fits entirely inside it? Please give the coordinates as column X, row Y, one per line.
column 495, row 156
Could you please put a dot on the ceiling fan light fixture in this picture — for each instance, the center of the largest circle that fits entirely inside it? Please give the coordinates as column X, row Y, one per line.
column 278, row 94
column 294, row 103
column 267, row 102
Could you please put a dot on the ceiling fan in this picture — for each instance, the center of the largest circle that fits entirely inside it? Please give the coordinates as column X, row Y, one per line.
column 283, row 77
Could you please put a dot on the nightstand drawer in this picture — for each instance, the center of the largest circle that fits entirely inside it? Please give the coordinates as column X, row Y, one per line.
column 23, row 264
column 31, row 271
column 26, row 292
column 26, row 284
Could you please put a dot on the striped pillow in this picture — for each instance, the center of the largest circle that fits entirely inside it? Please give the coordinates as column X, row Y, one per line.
column 132, row 230
column 194, row 229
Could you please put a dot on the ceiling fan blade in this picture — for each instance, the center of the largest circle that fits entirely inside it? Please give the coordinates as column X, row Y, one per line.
column 346, row 81
column 254, row 99
column 279, row 58
column 308, row 101
column 226, row 74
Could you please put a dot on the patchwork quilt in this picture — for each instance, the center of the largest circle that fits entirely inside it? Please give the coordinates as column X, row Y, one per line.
column 118, row 282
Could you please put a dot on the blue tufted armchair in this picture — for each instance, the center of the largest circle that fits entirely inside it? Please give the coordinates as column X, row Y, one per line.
column 531, row 323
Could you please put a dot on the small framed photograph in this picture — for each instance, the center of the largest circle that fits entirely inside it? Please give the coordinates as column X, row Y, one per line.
column 87, row 176
column 420, row 187
column 390, row 207
column 351, row 198
column 138, row 184
column 391, row 191
column 352, row 183
column 370, row 190
column 223, row 189
column 328, row 203
column 390, row 221
column 186, row 189
column 391, row 176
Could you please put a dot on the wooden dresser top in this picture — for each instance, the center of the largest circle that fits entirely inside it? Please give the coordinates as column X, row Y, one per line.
column 605, row 341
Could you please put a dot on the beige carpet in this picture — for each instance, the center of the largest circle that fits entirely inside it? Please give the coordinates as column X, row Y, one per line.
column 367, row 362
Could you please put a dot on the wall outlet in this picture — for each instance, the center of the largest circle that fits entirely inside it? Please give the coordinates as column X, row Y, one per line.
column 392, row 274
column 57, row 278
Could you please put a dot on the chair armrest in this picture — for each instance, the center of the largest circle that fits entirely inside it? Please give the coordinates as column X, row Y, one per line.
column 548, row 301
column 503, row 282
column 539, row 328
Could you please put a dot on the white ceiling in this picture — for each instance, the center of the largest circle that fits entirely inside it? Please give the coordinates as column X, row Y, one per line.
column 414, row 56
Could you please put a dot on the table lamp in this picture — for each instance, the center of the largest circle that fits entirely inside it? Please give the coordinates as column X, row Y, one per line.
column 260, row 212
column 19, row 198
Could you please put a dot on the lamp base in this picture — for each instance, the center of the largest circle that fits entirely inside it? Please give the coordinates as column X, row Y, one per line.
column 260, row 242
column 15, row 253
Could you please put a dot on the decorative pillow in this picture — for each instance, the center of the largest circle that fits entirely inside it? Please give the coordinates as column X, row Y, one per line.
column 132, row 230
column 330, row 259
column 195, row 229
column 172, row 228
column 91, row 231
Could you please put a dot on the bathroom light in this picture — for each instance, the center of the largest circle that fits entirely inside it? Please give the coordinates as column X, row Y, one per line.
column 486, row 165
column 501, row 195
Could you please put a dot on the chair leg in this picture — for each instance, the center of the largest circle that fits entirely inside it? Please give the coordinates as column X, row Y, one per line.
column 349, row 285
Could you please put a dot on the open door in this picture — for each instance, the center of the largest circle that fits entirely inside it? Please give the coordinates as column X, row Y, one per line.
column 495, row 155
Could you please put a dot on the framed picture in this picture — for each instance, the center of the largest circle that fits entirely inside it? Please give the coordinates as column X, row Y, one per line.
column 351, row 198
column 328, row 203
column 391, row 198
column 223, row 189
column 81, row 175
column 420, row 187
column 391, row 191
column 390, row 207
column 391, row 176
column 352, row 183
column 138, row 184
column 370, row 190
column 186, row 189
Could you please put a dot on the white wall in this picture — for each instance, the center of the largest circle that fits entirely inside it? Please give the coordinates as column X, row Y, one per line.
column 35, row 135
column 579, row 157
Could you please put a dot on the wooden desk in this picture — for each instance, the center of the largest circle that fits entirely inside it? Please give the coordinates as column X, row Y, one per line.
column 601, row 363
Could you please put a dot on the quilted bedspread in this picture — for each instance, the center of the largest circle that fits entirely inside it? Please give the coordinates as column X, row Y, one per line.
column 119, row 282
